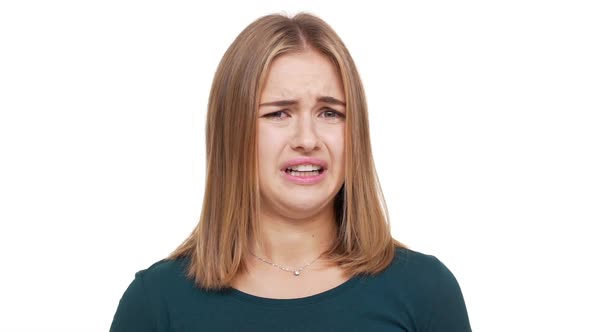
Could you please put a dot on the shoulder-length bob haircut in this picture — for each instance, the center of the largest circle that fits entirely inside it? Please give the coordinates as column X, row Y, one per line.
column 229, row 217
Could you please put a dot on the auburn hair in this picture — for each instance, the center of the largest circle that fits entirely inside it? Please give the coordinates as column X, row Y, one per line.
column 217, row 246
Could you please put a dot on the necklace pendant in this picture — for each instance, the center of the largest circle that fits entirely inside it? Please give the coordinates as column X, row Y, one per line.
column 296, row 273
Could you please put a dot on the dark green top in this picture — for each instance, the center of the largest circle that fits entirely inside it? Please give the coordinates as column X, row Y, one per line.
column 417, row 292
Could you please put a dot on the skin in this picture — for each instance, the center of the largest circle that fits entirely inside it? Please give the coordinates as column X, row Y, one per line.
column 297, row 220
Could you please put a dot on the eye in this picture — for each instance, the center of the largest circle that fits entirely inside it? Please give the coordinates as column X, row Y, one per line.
column 276, row 115
column 332, row 114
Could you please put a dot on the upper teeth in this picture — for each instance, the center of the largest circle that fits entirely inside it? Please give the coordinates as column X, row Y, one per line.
column 305, row 168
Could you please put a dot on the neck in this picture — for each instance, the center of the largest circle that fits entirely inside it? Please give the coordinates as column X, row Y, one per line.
column 295, row 242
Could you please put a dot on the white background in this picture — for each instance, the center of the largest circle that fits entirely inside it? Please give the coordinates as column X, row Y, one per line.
column 480, row 117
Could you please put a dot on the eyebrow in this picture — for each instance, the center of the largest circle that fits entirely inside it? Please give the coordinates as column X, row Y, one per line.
column 323, row 99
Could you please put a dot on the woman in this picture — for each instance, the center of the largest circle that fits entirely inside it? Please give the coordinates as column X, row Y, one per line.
column 293, row 234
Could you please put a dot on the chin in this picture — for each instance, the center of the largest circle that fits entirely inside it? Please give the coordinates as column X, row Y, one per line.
column 305, row 206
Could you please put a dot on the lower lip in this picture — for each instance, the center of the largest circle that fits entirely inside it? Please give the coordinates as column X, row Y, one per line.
column 305, row 179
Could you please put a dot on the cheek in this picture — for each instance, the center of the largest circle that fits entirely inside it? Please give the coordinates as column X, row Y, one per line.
column 268, row 149
column 336, row 145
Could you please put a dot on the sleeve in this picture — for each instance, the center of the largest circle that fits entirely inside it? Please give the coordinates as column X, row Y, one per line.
column 134, row 311
column 448, row 312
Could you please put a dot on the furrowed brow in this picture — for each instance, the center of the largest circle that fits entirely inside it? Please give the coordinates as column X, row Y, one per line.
column 324, row 99
column 280, row 103
column 331, row 100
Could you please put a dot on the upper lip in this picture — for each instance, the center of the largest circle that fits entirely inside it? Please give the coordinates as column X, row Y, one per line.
column 304, row 161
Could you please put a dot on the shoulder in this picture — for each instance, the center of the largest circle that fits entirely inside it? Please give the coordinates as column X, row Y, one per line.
column 164, row 268
column 419, row 272
column 163, row 274
column 431, row 289
column 415, row 264
column 418, row 278
column 143, row 305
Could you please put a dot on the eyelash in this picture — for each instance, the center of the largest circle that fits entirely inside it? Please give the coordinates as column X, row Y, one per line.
column 273, row 114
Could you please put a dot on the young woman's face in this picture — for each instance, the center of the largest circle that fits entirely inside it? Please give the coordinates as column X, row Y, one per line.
column 301, row 123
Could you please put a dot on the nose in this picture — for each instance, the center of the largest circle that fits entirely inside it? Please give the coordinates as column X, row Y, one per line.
column 305, row 137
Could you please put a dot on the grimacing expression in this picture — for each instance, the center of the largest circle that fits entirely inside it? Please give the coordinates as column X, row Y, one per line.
column 301, row 115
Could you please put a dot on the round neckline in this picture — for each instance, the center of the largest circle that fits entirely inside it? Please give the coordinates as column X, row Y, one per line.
column 315, row 298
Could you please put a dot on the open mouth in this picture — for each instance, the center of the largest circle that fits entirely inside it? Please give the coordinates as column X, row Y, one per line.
column 310, row 171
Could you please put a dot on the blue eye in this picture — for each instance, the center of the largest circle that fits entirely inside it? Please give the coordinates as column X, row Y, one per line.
column 275, row 115
column 328, row 113
column 332, row 114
